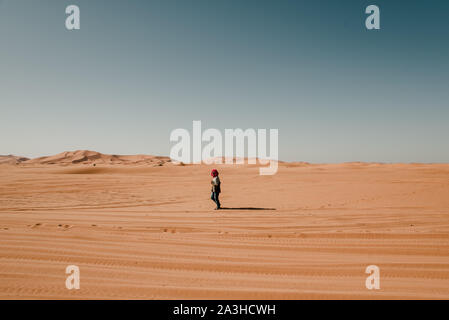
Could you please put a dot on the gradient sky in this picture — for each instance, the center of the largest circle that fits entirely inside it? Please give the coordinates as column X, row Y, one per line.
column 139, row 69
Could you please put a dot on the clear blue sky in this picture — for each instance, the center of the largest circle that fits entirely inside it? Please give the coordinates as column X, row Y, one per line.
column 139, row 69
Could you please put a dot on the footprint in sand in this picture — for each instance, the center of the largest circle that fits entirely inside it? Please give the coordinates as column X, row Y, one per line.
column 65, row 226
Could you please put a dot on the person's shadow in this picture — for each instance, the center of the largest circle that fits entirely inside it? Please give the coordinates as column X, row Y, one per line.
column 246, row 208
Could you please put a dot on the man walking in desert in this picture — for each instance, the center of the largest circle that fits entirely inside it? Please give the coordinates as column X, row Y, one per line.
column 215, row 188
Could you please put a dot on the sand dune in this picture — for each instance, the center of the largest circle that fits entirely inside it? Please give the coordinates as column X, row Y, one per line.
column 11, row 159
column 93, row 158
column 149, row 232
column 87, row 157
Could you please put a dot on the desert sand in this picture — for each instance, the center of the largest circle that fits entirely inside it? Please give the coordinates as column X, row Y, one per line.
column 140, row 227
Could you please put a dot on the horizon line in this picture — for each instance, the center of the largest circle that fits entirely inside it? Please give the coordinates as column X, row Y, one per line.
column 223, row 157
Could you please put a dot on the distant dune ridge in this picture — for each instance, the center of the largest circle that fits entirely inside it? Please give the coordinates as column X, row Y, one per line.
column 86, row 157
column 10, row 159
column 93, row 158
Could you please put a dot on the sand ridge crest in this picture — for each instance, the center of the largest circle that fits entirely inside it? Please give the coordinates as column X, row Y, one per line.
column 93, row 158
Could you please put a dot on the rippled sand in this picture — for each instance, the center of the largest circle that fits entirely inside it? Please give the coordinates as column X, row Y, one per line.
column 149, row 232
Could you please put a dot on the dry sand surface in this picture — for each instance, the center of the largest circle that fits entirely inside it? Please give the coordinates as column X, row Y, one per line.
column 140, row 227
